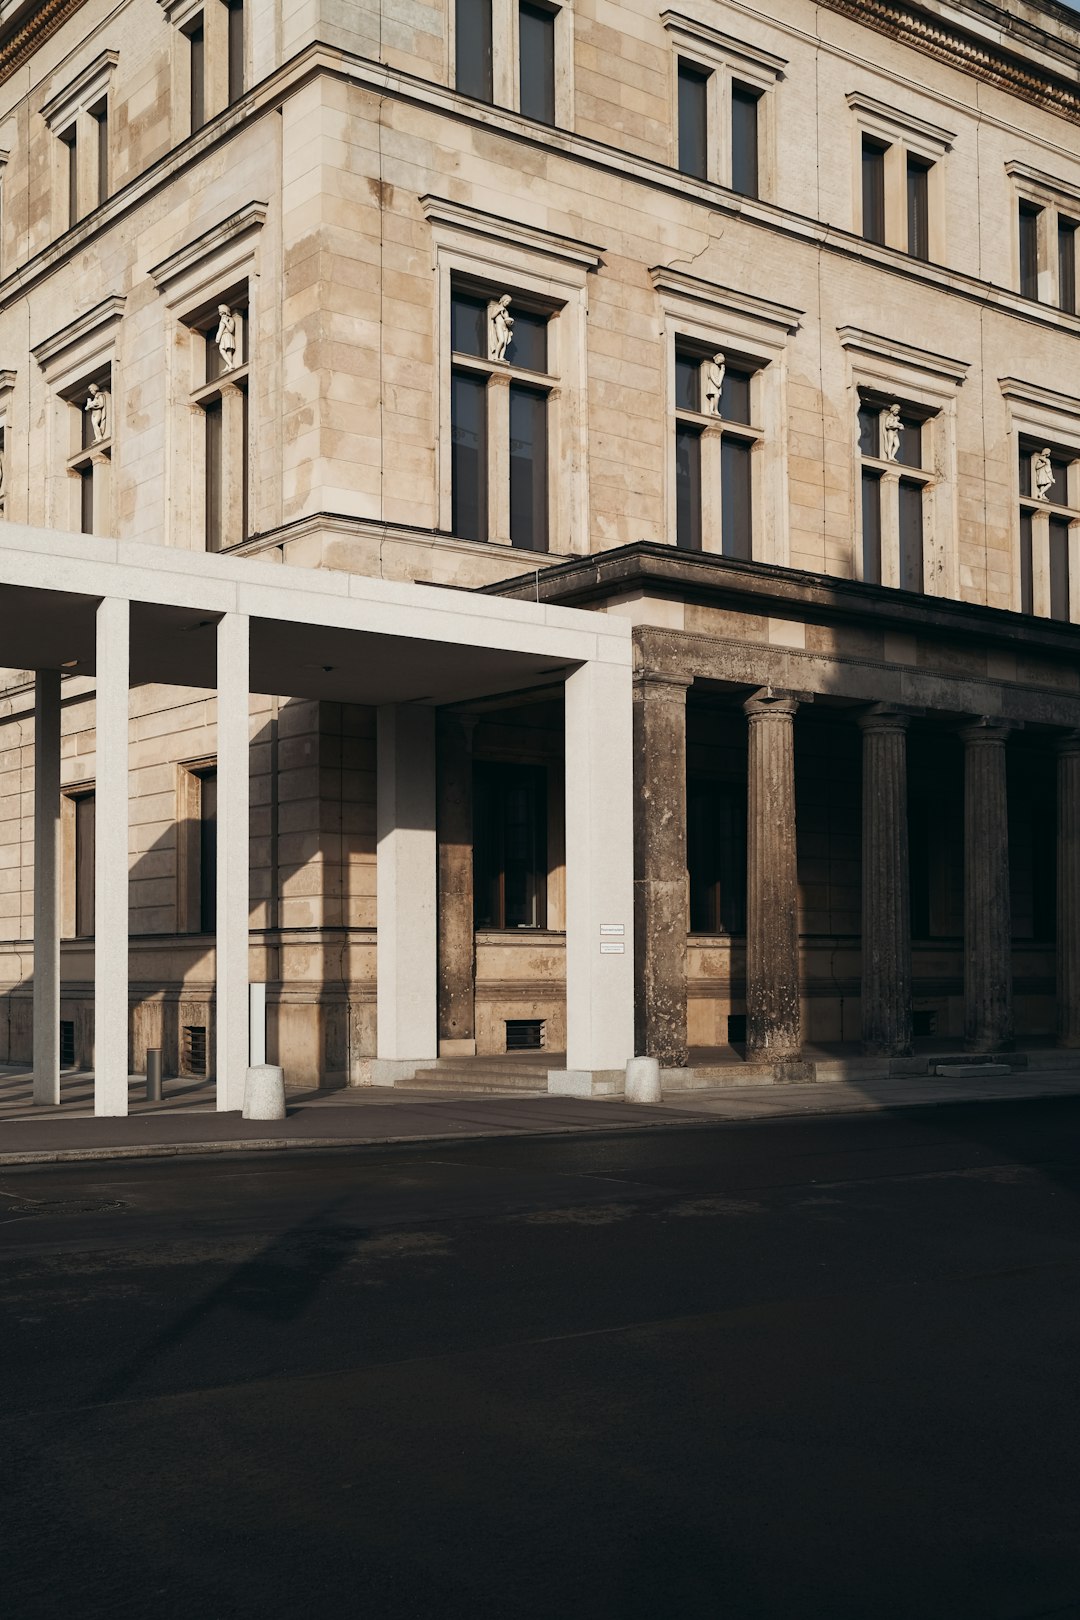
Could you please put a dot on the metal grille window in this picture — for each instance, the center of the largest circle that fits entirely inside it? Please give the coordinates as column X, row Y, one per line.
column 896, row 482
column 524, row 1034
column 714, row 449
column 1049, row 484
column 194, row 1049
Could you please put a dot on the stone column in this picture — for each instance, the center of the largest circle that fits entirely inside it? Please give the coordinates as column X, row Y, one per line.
column 457, row 934
column 111, row 859
column 886, row 899
column 988, row 1023
column 660, row 878
column 232, row 1014
column 406, row 875
column 1068, row 891
column 47, row 886
column 772, row 891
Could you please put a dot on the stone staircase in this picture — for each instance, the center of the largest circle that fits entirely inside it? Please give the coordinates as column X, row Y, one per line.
column 518, row 1074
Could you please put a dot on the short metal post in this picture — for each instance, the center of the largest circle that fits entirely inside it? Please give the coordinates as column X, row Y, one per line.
column 153, row 1074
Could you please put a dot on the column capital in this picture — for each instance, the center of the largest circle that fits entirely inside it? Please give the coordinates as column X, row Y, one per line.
column 662, row 683
column 883, row 717
column 987, row 731
column 768, row 704
column 1068, row 743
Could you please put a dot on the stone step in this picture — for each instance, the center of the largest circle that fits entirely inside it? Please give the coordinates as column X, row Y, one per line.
column 478, row 1079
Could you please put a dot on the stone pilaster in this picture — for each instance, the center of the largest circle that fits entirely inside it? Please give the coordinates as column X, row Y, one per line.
column 660, row 880
column 886, row 901
column 988, row 1023
column 1068, row 891
column 772, row 889
column 457, row 951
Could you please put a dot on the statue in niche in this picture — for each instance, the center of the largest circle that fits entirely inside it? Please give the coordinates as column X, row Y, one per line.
column 225, row 336
column 890, row 433
column 1042, row 474
column 714, row 383
column 500, row 328
column 97, row 406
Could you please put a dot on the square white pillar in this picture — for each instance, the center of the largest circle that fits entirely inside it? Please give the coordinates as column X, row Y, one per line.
column 599, row 881
column 233, row 859
column 47, row 886
column 111, row 860
column 406, row 894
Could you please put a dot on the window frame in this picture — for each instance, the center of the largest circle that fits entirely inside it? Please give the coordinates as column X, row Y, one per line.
column 726, row 63
column 1053, row 203
column 75, row 117
column 506, row 58
column 893, row 477
column 1039, row 416
column 536, row 775
column 904, row 137
column 714, row 433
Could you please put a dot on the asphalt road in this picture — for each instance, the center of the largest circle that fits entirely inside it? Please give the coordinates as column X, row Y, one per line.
column 825, row 1367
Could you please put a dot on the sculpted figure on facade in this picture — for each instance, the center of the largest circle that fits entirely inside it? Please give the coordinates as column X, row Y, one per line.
column 225, row 336
column 890, row 433
column 97, row 406
column 714, row 383
column 501, row 328
column 1042, row 474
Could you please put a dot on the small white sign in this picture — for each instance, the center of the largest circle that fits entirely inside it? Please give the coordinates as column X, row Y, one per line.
column 612, row 928
column 609, row 947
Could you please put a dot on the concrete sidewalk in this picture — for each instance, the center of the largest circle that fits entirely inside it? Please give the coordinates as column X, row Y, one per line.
column 187, row 1123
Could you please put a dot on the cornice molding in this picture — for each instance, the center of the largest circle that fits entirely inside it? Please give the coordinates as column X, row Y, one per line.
column 86, row 88
column 17, row 49
column 904, row 354
column 91, row 331
column 473, row 222
column 679, row 284
column 1033, row 394
column 221, row 251
column 682, row 27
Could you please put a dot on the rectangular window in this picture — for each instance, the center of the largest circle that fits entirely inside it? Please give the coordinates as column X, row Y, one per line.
column 911, row 535
column 1060, row 529
column 910, row 451
column 528, row 468
column 693, row 120
column 1027, row 588
column 214, row 482
column 687, row 382
column 197, row 68
column 527, row 348
column 735, row 498
column 536, row 62
column 744, row 139
column 85, row 845
column 100, row 116
column 207, row 852
column 510, row 846
column 71, row 142
column 472, row 54
column 871, row 527
column 236, row 49
column 1067, row 264
column 1029, row 250
column 873, row 190
column 716, row 856
column 918, row 208
column 468, row 325
column 687, row 487
column 735, row 396
column 86, row 498
column 468, row 436
column 869, row 431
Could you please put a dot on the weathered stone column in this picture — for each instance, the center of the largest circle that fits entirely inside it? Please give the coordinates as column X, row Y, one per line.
column 988, row 1023
column 47, row 886
column 772, row 889
column 454, row 819
column 111, row 1013
column 1068, row 891
column 886, row 900
column 233, row 859
column 660, row 881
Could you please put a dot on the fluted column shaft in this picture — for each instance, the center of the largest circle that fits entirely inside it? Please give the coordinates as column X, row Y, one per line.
column 660, row 878
column 772, row 889
column 1068, row 891
column 886, row 904
column 988, row 1023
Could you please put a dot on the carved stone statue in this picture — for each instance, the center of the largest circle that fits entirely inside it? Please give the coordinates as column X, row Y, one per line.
column 1042, row 474
column 890, row 433
column 500, row 328
column 714, row 383
column 225, row 336
column 97, row 404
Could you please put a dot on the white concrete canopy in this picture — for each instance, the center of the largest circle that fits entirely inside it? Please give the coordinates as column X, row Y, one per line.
column 136, row 613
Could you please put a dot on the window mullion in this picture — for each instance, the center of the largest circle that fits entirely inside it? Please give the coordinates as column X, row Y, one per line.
column 498, row 423
column 890, row 527
column 1040, row 562
column 712, row 530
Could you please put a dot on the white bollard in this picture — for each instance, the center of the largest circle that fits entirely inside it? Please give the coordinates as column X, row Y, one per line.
column 643, row 1080
column 264, row 1092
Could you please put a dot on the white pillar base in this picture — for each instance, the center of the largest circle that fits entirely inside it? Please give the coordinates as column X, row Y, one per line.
column 586, row 1082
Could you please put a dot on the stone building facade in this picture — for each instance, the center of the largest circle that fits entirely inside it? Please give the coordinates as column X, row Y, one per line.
column 786, row 377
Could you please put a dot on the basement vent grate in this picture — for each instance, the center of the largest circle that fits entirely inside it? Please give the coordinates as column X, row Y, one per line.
column 67, row 1043
column 195, row 1048
column 524, row 1034
column 736, row 1029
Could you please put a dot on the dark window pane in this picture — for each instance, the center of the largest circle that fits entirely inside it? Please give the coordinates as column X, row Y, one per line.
column 735, row 396
column 71, row 143
column 198, row 77
column 1025, row 471
column 86, row 499
column 735, row 498
column 687, row 488
column 1059, row 568
column 911, row 535
column 468, row 434
column 687, row 382
column 693, row 120
column 869, row 431
column 102, row 120
column 918, row 208
column 1059, row 489
column 1067, row 264
column 244, row 467
column 214, row 485
column 911, row 433
column 873, row 190
column 85, row 846
column 236, row 49
column 716, row 856
column 536, row 45
column 871, row 528
column 468, row 325
column 528, row 468
column 473, row 48
column 528, row 341
column 510, row 846
column 1027, row 592
column 744, row 140
column 208, row 852
column 1029, row 250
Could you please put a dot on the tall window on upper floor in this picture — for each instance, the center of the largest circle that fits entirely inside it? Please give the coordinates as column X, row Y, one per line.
column 714, row 448
column 89, row 410
column 536, row 61
column 473, row 49
column 1047, row 219
column 694, row 120
column 895, row 485
column 900, row 200
column 501, row 401
column 196, row 38
column 220, row 396
column 1049, row 480
column 873, row 189
column 918, row 207
column 1029, row 249
column 235, row 50
column 745, row 139
column 516, row 54
column 69, row 140
column 1066, row 245
column 510, row 846
column 723, row 106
